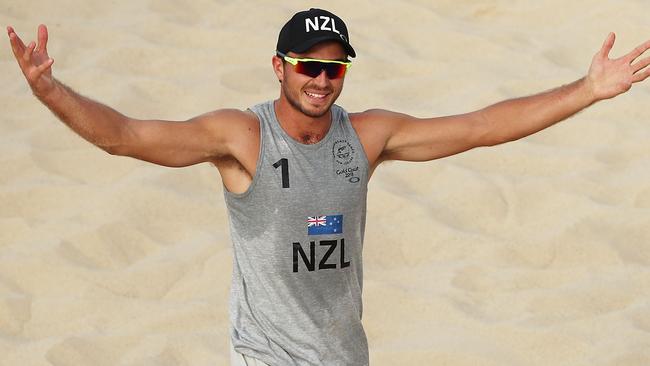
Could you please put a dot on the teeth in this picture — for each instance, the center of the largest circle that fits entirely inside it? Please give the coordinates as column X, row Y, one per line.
column 313, row 95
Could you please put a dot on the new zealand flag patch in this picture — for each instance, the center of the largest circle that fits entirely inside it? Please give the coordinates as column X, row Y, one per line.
column 328, row 224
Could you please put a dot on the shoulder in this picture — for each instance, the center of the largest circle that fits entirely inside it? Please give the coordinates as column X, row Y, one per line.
column 378, row 118
column 220, row 116
column 227, row 127
column 375, row 127
column 378, row 121
column 227, row 121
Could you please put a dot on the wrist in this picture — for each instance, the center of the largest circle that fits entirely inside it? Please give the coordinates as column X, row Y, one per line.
column 589, row 90
column 53, row 94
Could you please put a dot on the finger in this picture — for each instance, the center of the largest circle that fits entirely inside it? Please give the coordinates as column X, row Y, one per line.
column 640, row 76
column 18, row 40
column 641, row 64
column 42, row 37
column 27, row 56
column 17, row 44
column 637, row 51
column 34, row 74
column 43, row 67
column 607, row 45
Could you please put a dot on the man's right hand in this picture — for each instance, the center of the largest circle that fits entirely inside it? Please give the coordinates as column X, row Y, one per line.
column 34, row 61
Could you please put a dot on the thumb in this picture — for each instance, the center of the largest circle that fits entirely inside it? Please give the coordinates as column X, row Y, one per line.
column 607, row 45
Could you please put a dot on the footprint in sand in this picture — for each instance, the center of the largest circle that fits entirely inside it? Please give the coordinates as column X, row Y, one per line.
column 112, row 246
column 88, row 351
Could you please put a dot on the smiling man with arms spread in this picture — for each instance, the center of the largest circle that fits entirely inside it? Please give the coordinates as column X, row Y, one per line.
column 295, row 172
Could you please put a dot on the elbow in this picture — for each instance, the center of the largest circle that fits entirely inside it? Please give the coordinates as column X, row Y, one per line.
column 494, row 140
column 112, row 150
column 488, row 131
column 118, row 144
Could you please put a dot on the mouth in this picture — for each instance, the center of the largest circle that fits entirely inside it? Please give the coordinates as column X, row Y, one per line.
column 316, row 96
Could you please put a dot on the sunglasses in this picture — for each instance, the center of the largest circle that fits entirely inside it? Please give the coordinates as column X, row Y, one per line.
column 313, row 67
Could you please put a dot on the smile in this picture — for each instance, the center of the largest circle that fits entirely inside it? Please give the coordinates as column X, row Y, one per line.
column 315, row 95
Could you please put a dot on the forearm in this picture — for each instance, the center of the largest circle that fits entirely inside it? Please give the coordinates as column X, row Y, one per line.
column 97, row 123
column 516, row 118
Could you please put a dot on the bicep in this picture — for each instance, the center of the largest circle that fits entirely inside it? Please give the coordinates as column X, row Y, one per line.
column 420, row 139
column 176, row 143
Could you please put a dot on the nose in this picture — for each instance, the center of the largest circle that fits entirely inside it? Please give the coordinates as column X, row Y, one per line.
column 322, row 78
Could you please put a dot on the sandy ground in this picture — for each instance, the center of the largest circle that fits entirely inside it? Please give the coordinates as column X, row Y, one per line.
column 535, row 252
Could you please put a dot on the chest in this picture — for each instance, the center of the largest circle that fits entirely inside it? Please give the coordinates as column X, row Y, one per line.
column 333, row 174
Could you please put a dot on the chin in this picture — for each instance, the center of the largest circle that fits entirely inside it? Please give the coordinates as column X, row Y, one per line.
column 311, row 110
column 315, row 112
column 318, row 110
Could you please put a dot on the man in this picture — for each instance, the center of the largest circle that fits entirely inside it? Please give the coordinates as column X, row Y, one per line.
column 296, row 171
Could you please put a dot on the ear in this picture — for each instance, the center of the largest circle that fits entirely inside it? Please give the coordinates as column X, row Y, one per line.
column 278, row 67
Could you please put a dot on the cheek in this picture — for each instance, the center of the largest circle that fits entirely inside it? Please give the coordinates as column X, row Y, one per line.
column 291, row 86
column 294, row 81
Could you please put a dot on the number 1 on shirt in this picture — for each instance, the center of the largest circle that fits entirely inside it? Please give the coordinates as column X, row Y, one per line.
column 284, row 163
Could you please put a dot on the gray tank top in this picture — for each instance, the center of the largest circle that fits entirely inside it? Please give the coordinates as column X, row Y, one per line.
column 297, row 235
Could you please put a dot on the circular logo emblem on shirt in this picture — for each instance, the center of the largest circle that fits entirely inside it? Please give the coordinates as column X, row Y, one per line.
column 343, row 152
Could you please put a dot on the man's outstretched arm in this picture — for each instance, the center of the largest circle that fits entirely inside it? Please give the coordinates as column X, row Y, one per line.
column 415, row 139
column 166, row 143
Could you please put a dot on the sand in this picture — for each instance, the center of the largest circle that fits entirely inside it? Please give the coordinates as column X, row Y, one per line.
column 536, row 252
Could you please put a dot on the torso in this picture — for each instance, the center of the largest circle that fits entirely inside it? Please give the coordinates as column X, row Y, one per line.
column 297, row 235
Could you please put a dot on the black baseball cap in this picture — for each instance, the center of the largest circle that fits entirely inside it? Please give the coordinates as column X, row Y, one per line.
column 310, row 27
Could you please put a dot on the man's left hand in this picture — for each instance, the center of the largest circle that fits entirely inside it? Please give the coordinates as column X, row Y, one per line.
column 611, row 77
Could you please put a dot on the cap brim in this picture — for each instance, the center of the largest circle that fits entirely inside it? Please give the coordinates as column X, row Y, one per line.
column 304, row 47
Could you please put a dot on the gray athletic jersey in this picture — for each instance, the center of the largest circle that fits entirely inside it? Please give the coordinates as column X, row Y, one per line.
column 297, row 235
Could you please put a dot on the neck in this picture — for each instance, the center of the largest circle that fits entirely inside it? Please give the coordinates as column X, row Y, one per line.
column 301, row 127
